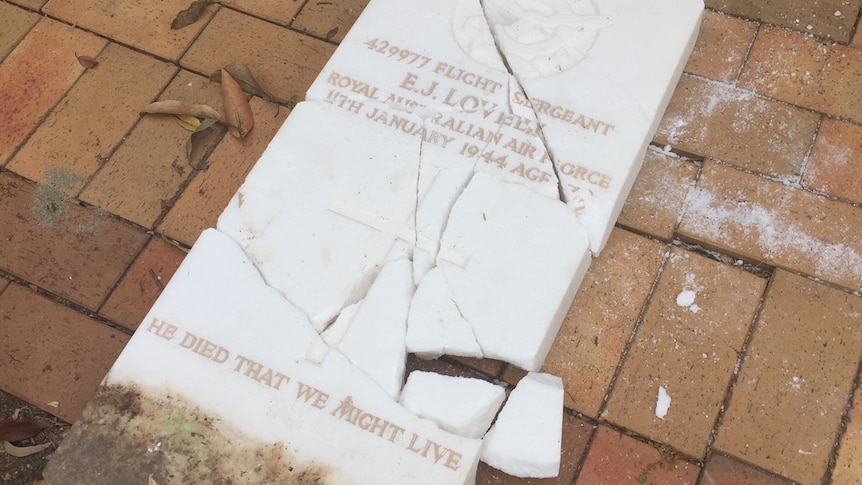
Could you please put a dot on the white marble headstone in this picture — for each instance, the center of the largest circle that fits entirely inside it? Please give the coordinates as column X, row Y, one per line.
column 441, row 191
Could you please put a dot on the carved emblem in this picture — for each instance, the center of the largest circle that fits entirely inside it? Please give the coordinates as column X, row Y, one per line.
column 538, row 38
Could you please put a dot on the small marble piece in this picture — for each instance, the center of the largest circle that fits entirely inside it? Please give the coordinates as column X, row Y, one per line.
column 201, row 344
column 460, row 405
column 527, row 257
column 526, row 438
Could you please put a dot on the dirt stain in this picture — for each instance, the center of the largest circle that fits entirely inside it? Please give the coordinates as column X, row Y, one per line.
column 125, row 435
column 51, row 200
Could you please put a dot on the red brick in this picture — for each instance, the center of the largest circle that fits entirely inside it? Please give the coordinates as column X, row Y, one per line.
column 92, row 119
column 35, row 75
column 848, row 465
column 615, row 459
column 719, row 121
column 59, row 245
column 656, row 199
column 817, row 18
column 691, row 351
column 144, row 175
column 142, row 284
column 321, row 18
column 763, row 221
column 54, row 357
column 209, row 192
column 489, row 367
column 590, row 342
column 795, row 380
column 835, row 164
column 721, row 46
column 34, row 4
column 801, row 70
column 723, row 470
column 284, row 62
column 576, row 435
column 143, row 25
column 281, row 12
column 14, row 24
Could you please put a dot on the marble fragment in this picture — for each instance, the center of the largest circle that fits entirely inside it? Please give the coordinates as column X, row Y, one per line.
column 526, row 438
column 460, row 405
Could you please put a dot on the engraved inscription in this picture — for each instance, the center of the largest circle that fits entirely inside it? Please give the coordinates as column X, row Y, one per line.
column 346, row 410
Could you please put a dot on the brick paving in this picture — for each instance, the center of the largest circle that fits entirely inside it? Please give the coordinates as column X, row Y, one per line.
column 732, row 279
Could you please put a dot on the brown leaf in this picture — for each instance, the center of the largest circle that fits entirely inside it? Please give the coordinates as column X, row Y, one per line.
column 24, row 451
column 242, row 75
column 191, row 14
column 237, row 111
column 173, row 107
column 18, row 430
column 201, row 141
column 152, row 481
column 331, row 33
column 87, row 61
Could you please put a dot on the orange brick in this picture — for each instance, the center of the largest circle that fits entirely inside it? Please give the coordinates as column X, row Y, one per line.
column 715, row 120
column 321, row 18
column 835, row 164
column 691, row 351
column 91, row 120
column 848, row 466
column 795, row 380
column 576, row 435
column 59, row 245
column 825, row 18
column 210, row 191
column 147, row 171
column 54, row 357
column 34, row 4
column 723, row 470
column 35, row 75
column 721, row 46
column 284, row 62
column 594, row 333
column 615, row 458
column 857, row 39
column 489, row 367
column 14, row 24
column 142, row 283
column 656, row 199
column 759, row 220
column 800, row 70
column 281, row 12
column 144, row 25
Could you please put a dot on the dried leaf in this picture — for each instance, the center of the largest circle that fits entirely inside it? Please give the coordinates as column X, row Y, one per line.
column 173, row 107
column 13, row 430
column 152, row 481
column 331, row 33
column 24, row 451
column 87, row 61
column 237, row 111
column 242, row 75
column 201, row 141
column 191, row 14
column 205, row 124
column 190, row 123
